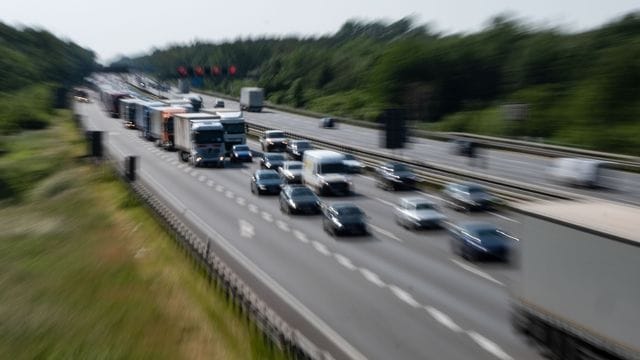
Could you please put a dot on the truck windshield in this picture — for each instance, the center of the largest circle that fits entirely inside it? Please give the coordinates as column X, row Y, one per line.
column 170, row 125
column 237, row 128
column 208, row 136
column 331, row 168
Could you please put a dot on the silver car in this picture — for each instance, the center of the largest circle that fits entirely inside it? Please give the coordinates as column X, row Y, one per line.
column 291, row 172
column 418, row 213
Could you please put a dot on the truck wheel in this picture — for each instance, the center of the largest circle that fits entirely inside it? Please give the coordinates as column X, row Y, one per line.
column 184, row 156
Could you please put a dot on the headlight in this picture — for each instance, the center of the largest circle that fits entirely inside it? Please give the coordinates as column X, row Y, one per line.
column 293, row 205
column 198, row 159
column 262, row 187
column 338, row 223
column 221, row 158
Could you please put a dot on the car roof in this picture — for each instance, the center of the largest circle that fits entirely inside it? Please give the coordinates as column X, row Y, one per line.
column 343, row 205
column 273, row 154
column 477, row 225
column 417, row 200
column 266, row 171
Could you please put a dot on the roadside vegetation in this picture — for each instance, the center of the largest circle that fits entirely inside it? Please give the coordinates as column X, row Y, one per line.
column 579, row 88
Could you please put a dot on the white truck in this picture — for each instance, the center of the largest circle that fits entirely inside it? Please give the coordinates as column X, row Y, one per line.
column 577, row 290
column 199, row 139
column 324, row 172
column 582, row 172
column 234, row 126
column 251, row 98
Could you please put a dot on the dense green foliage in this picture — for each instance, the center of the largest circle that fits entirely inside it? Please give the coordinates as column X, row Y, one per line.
column 576, row 85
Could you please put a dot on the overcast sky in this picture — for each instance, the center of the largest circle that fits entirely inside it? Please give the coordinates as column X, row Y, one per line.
column 116, row 27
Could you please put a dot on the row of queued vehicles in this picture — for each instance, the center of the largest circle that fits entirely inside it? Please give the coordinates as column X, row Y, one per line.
column 201, row 136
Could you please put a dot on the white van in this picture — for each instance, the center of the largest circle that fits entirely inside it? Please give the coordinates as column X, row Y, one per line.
column 324, row 171
column 581, row 172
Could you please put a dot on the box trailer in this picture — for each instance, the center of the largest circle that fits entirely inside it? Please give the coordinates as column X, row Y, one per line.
column 161, row 125
column 251, row 99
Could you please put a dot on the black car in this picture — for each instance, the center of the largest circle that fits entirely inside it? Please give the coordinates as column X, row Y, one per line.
column 296, row 148
column 241, row 153
column 467, row 196
column 272, row 160
column 265, row 182
column 479, row 241
column 299, row 199
column 327, row 123
column 218, row 104
column 273, row 140
column 344, row 219
column 462, row 147
column 395, row 176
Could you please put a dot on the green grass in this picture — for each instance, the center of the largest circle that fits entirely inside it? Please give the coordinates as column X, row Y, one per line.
column 86, row 272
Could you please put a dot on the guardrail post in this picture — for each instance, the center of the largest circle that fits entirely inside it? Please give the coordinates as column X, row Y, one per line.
column 130, row 167
column 95, row 143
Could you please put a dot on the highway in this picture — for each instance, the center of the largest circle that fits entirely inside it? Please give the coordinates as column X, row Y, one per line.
column 395, row 294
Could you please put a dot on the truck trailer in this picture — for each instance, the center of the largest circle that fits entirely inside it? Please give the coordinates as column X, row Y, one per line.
column 251, row 99
column 161, row 125
column 577, row 291
column 199, row 139
column 142, row 115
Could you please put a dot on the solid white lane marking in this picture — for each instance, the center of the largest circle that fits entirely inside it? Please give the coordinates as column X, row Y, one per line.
column 342, row 260
column 385, row 202
column 253, row 208
column 229, row 194
column 241, row 201
column 246, row 229
column 180, row 166
column 268, row 217
column 477, row 271
column 489, row 346
column 210, row 183
column 443, row 319
column 503, row 217
column 322, row 249
column 300, row 236
column 372, row 277
column 404, row 296
column 282, row 225
column 385, row 233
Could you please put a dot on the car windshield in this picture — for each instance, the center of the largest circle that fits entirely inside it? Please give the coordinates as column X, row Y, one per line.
column 475, row 190
column 349, row 157
column 399, row 167
column 242, row 148
column 425, row 206
column 274, row 157
column 208, row 136
column 268, row 176
column 331, row 168
column 294, row 166
column 349, row 211
column 302, row 192
column 490, row 236
column 274, row 135
column 303, row 145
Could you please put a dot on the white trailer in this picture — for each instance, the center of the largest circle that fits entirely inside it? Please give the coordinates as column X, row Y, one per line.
column 161, row 125
column 251, row 98
column 199, row 139
column 142, row 115
column 577, row 291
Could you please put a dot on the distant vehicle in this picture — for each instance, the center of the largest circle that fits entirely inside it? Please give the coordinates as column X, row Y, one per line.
column 352, row 164
column 272, row 161
column 111, row 101
column 218, row 103
column 344, row 219
column 81, row 96
column 273, row 140
column 291, row 172
column 234, row 126
column 299, row 199
column 265, row 182
column 296, row 148
column 251, row 99
column 462, row 147
column 161, row 125
column 199, row 139
column 418, row 213
column 480, row 241
column 241, row 153
column 325, row 172
column 327, row 123
column 395, row 176
column 467, row 196
column 128, row 107
column 581, row 172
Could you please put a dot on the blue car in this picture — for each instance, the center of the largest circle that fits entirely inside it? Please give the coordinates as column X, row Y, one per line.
column 241, row 153
column 480, row 241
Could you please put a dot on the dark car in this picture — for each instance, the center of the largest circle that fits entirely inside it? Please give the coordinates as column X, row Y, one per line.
column 299, row 199
column 344, row 219
column 272, row 160
column 273, row 140
column 291, row 172
column 218, row 104
column 478, row 241
column 395, row 176
column 462, row 147
column 467, row 196
column 241, row 153
column 327, row 123
column 296, row 148
column 265, row 182
column 353, row 165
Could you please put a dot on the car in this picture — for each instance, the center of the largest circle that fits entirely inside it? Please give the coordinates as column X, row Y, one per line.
column 480, row 240
column 462, row 147
column 327, row 123
column 272, row 160
column 291, row 172
column 299, row 199
column 218, row 103
column 467, row 196
column 395, row 176
column 273, row 140
column 265, row 182
column 352, row 164
column 418, row 213
column 241, row 153
column 343, row 218
column 296, row 148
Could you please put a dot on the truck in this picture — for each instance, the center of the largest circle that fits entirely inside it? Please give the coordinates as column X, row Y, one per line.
column 143, row 119
column 324, row 172
column 199, row 139
column 251, row 99
column 111, row 101
column 182, row 102
column 234, row 126
column 161, row 125
column 576, row 292
column 128, row 108
column 582, row 172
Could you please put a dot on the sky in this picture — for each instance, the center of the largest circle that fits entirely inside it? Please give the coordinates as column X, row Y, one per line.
column 117, row 27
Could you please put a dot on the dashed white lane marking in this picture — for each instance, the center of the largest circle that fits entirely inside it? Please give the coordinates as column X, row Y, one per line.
column 436, row 197
column 404, row 296
column 253, row 208
column 503, row 217
column 194, row 173
column 489, row 346
column 344, row 261
column 322, row 249
column 186, row 169
column 246, row 229
column 477, row 271
column 385, row 202
column 372, row 277
column 219, row 188
column 210, row 183
column 202, row 178
column 443, row 319
column 241, row 201
column 229, row 194
column 282, row 225
column 268, row 217
column 385, row 233
column 300, row 236
column 180, row 166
